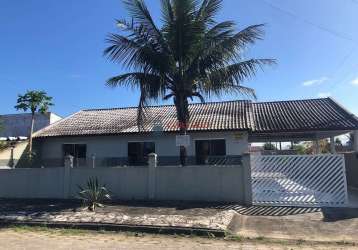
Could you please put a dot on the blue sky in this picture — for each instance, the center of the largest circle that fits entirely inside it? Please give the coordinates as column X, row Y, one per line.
column 57, row 46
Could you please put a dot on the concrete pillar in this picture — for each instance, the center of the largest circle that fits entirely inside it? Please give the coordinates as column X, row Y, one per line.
column 67, row 176
column 332, row 145
column 152, row 165
column 355, row 141
column 247, row 180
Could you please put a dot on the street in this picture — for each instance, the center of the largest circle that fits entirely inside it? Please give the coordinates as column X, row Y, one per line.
column 72, row 239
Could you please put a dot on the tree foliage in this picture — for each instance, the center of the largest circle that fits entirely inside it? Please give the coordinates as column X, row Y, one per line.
column 269, row 146
column 34, row 101
column 191, row 55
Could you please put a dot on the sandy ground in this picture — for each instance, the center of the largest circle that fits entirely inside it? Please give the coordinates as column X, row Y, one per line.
column 66, row 239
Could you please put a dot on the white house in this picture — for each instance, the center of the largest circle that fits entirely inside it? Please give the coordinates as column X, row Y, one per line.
column 219, row 131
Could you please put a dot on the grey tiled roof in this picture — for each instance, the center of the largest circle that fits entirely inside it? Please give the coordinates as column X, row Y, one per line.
column 300, row 115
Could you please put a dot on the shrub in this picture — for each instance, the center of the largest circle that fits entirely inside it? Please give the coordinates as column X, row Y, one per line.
column 93, row 194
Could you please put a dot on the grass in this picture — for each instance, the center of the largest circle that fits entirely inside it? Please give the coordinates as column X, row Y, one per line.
column 61, row 231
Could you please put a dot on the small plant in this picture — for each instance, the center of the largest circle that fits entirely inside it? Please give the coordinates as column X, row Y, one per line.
column 93, row 194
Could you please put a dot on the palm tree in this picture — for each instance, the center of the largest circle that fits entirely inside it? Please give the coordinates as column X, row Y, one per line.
column 35, row 101
column 189, row 56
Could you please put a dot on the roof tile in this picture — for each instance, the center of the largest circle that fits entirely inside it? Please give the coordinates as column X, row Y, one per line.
column 297, row 115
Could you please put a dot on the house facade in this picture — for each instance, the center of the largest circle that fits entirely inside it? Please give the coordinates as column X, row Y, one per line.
column 219, row 132
column 119, row 150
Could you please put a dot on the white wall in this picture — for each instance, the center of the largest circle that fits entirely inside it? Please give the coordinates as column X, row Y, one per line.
column 200, row 183
column 192, row 183
column 32, row 183
column 18, row 152
column 116, row 146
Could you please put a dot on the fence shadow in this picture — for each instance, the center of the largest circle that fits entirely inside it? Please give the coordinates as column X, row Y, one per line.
column 38, row 205
column 271, row 211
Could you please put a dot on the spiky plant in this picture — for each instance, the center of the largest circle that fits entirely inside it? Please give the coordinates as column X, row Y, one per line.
column 190, row 56
column 93, row 194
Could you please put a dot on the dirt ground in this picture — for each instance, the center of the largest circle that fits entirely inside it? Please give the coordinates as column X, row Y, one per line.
column 55, row 239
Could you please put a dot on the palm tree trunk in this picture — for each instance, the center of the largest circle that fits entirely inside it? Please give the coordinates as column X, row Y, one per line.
column 31, row 131
column 182, row 108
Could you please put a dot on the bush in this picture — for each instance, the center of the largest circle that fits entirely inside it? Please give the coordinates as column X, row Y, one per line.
column 93, row 194
column 269, row 146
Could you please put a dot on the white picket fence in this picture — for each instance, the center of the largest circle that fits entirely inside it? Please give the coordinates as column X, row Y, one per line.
column 299, row 180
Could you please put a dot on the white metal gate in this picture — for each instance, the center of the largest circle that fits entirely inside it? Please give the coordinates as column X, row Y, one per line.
column 299, row 180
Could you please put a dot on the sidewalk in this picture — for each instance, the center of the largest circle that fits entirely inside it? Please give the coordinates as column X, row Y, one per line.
column 325, row 225
column 289, row 223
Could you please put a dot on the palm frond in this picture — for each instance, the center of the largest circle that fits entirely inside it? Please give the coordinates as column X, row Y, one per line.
column 142, row 16
column 151, row 87
column 208, row 10
column 230, row 78
column 136, row 54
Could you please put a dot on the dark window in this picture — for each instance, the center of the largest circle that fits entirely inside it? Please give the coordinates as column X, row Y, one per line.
column 78, row 151
column 204, row 149
column 138, row 152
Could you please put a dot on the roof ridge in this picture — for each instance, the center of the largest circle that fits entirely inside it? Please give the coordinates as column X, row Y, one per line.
column 165, row 105
column 204, row 103
column 293, row 100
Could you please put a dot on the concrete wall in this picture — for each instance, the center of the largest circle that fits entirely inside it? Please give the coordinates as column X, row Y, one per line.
column 205, row 183
column 352, row 169
column 32, row 183
column 199, row 183
column 19, row 124
column 127, row 183
column 117, row 146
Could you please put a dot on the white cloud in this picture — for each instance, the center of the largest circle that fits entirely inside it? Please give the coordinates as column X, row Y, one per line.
column 315, row 81
column 355, row 81
column 324, row 94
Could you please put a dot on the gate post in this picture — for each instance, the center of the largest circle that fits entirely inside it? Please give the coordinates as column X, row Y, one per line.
column 152, row 164
column 246, row 163
column 67, row 176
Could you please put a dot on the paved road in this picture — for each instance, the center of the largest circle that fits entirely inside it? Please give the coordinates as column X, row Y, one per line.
column 55, row 240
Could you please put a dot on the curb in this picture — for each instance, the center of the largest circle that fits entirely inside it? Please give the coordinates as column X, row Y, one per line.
column 120, row 227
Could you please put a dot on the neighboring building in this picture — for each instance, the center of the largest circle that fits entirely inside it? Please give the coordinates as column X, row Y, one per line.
column 16, row 125
column 218, row 131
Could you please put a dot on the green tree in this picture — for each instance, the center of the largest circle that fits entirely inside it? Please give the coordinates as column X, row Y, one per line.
column 299, row 148
column 190, row 56
column 269, row 146
column 34, row 101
